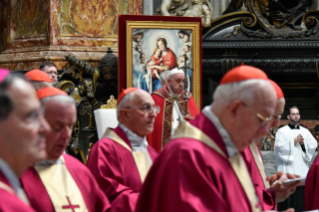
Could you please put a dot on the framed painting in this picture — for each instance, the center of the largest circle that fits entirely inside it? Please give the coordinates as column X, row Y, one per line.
column 151, row 45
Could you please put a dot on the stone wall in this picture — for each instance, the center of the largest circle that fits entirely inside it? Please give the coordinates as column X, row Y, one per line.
column 34, row 31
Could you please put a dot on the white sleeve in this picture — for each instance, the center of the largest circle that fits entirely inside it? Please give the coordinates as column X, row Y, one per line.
column 310, row 145
column 284, row 149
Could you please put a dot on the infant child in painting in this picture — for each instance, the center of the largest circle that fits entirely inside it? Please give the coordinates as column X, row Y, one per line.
column 156, row 59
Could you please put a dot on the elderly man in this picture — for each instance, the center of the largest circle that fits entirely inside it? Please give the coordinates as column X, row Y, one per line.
column 173, row 108
column 51, row 70
column 121, row 160
column 22, row 138
column 268, row 195
column 201, row 168
column 61, row 182
column 39, row 79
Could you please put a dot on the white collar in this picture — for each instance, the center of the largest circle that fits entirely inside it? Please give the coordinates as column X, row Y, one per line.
column 174, row 95
column 230, row 146
column 138, row 143
column 10, row 175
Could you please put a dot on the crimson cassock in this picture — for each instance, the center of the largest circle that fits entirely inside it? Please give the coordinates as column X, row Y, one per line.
column 116, row 172
column 257, row 172
column 312, row 187
column 39, row 197
column 163, row 123
column 9, row 201
column 189, row 175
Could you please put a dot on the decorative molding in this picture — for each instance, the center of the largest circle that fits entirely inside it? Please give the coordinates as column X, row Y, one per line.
column 261, row 44
column 269, row 62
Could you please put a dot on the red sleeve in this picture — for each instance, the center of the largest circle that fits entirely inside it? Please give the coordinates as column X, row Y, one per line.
column 192, row 107
column 105, row 165
column 169, row 60
column 312, row 187
column 154, row 139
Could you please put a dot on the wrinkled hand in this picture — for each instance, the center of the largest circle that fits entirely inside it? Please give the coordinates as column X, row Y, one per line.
column 282, row 191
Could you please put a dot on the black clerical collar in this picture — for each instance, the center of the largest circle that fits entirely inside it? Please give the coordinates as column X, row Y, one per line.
column 294, row 127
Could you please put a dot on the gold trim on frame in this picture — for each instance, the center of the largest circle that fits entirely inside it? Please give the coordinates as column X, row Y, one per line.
column 194, row 26
column 111, row 103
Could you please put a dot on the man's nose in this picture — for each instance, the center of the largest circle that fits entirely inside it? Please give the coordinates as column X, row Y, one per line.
column 44, row 126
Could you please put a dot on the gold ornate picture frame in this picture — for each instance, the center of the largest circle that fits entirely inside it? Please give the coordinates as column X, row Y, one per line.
column 146, row 38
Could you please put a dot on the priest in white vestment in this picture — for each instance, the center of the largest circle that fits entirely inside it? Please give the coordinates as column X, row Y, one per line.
column 294, row 146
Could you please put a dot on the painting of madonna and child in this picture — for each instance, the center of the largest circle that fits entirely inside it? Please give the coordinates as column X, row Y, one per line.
column 156, row 52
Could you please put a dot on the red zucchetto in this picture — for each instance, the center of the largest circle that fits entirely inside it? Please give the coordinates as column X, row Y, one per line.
column 124, row 93
column 49, row 91
column 38, row 75
column 278, row 90
column 242, row 73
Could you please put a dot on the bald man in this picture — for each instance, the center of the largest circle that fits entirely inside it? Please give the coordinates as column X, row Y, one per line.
column 22, row 138
column 120, row 161
column 62, row 182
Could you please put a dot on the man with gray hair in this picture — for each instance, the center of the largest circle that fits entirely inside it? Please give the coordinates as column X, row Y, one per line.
column 206, row 170
column 62, row 182
column 22, row 138
column 173, row 106
column 121, row 159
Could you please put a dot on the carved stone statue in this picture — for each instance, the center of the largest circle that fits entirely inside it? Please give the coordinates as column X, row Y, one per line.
column 187, row 8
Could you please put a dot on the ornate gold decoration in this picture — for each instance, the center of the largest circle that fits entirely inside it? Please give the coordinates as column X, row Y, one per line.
column 90, row 147
column 110, row 103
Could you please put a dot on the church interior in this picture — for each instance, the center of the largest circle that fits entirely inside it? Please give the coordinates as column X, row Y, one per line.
column 100, row 46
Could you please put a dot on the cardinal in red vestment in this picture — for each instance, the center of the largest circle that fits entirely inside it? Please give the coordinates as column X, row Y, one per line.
column 22, row 140
column 268, row 194
column 121, row 159
column 171, row 100
column 206, row 170
column 61, row 182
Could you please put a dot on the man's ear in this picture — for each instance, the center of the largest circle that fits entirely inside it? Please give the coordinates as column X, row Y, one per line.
column 123, row 113
column 233, row 110
column 288, row 117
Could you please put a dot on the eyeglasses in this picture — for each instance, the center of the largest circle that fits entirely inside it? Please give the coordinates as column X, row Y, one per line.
column 148, row 108
column 264, row 120
column 276, row 117
column 294, row 114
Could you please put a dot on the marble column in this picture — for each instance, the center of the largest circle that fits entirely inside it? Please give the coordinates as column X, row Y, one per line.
column 148, row 7
column 47, row 30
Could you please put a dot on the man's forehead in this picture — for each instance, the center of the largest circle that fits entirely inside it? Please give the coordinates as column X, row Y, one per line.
column 23, row 95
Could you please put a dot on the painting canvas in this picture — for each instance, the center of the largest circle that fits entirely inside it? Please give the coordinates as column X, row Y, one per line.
column 154, row 48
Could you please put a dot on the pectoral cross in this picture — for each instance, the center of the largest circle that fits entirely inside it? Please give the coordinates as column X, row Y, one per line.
column 70, row 206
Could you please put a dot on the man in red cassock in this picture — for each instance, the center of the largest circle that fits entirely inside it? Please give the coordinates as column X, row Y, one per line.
column 173, row 108
column 61, row 182
column 267, row 194
column 121, row 159
column 206, row 169
column 22, row 138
